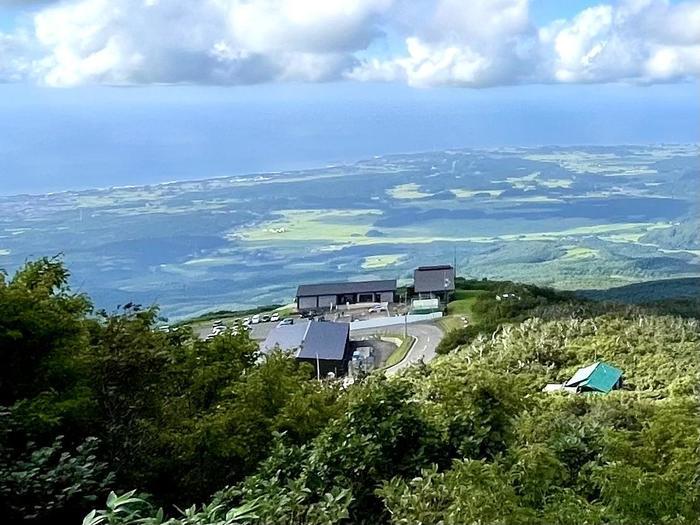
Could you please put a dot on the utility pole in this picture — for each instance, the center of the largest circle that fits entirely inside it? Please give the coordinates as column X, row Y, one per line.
column 405, row 324
column 318, row 369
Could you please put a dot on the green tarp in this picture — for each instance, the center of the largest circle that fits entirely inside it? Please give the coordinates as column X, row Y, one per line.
column 598, row 377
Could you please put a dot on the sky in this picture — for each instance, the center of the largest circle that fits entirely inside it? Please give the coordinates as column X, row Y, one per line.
column 113, row 92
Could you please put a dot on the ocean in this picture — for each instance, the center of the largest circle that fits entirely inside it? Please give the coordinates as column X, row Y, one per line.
column 59, row 139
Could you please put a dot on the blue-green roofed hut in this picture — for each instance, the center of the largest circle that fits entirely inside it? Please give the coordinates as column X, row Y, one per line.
column 598, row 377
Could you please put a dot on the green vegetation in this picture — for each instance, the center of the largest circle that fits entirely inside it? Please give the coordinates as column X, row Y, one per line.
column 463, row 302
column 649, row 292
column 491, row 304
column 450, row 322
column 91, row 401
column 399, row 354
column 684, row 236
column 460, row 307
column 95, row 402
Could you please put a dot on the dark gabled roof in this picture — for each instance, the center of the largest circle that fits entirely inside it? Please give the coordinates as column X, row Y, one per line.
column 600, row 377
column 307, row 339
column 348, row 287
column 325, row 340
column 434, row 278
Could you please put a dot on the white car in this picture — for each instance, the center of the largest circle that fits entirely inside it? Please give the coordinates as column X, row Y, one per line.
column 274, row 317
column 245, row 321
column 255, row 319
column 286, row 321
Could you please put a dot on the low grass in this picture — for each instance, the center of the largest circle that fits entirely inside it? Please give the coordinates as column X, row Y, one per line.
column 408, row 191
column 463, row 302
column 460, row 307
column 450, row 322
column 399, row 354
column 579, row 252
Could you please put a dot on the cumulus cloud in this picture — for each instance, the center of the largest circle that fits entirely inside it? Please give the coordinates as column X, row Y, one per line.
column 212, row 41
column 483, row 43
column 475, row 43
column 639, row 40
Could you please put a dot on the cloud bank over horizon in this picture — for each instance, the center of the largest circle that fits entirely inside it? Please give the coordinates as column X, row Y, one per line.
column 423, row 43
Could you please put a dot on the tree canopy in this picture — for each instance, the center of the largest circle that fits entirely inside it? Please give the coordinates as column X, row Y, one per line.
column 104, row 416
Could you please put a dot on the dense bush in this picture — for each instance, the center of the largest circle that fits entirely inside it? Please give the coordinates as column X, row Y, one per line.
column 97, row 401
column 104, row 402
column 502, row 302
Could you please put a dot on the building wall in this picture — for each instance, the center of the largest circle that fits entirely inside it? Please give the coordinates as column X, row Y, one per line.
column 306, row 303
column 387, row 297
column 339, row 368
column 325, row 301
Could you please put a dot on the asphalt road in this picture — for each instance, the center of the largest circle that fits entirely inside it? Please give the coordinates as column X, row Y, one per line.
column 427, row 336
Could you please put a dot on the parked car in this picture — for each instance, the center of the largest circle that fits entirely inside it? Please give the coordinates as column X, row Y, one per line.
column 275, row 317
column 265, row 319
column 218, row 323
column 286, row 321
column 245, row 321
column 376, row 309
column 255, row 319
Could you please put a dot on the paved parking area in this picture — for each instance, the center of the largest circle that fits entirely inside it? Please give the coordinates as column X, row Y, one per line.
column 261, row 330
column 257, row 331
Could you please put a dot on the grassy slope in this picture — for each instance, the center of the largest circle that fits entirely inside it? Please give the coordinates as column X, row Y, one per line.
column 400, row 353
column 461, row 306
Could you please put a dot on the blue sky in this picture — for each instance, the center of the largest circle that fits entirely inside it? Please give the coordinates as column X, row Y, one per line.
column 98, row 93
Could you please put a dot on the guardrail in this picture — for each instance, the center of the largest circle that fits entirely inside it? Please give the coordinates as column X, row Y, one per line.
column 393, row 321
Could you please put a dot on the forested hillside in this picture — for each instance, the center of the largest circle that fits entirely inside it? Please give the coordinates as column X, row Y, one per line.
column 94, row 402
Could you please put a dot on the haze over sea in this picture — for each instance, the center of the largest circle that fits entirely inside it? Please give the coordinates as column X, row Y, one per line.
column 155, row 134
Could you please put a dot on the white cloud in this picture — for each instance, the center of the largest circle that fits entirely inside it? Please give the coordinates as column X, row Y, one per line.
column 212, row 41
column 638, row 40
column 475, row 43
column 483, row 43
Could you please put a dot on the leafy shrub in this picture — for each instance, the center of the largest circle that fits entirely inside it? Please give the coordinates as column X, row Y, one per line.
column 52, row 483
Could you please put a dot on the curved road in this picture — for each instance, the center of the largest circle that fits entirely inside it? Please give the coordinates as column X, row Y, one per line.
column 427, row 336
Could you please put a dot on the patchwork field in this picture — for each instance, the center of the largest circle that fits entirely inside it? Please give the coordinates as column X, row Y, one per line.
column 574, row 217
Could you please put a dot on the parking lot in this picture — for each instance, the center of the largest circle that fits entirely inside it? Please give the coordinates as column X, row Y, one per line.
column 257, row 331
column 260, row 330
